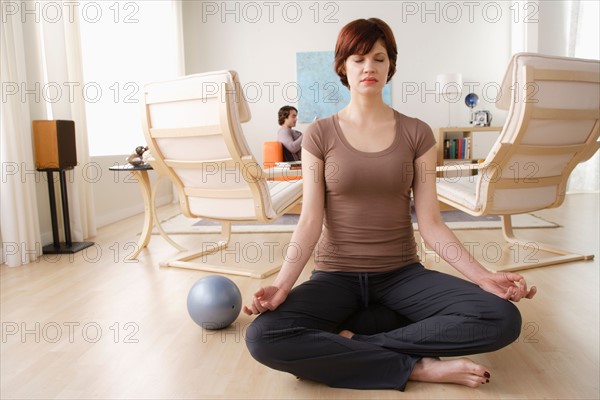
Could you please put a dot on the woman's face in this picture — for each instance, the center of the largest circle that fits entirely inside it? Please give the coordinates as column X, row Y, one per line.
column 368, row 73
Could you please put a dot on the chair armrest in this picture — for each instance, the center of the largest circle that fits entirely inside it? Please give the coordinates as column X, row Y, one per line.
column 457, row 167
column 590, row 151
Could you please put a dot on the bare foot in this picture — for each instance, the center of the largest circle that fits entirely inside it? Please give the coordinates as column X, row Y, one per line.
column 346, row 333
column 461, row 371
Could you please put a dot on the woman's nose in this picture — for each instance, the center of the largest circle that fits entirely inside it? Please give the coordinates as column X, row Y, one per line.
column 369, row 65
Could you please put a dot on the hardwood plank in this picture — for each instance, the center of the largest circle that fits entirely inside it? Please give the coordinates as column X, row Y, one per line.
column 125, row 333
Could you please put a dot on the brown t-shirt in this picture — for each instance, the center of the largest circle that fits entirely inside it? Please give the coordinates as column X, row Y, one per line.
column 367, row 224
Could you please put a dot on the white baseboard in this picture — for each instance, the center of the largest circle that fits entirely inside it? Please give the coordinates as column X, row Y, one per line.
column 112, row 217
column 117, row 215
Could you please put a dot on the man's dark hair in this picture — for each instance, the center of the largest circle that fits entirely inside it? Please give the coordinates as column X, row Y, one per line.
column 284, row 112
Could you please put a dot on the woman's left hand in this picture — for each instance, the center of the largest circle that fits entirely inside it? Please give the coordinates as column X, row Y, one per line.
column 508, row 285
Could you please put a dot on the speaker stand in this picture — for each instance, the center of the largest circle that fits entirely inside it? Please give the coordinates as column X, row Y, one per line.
column 68, row 246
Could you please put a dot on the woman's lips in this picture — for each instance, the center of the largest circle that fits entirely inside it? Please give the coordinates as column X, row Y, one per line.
column 369, row 80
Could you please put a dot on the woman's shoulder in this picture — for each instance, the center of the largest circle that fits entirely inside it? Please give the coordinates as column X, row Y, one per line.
column 411, row 123
column 321, row 125
column 329, row 120
column 320, row 137
column 408, row 119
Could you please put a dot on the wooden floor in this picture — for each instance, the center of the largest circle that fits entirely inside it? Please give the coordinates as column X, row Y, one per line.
column 95, row 326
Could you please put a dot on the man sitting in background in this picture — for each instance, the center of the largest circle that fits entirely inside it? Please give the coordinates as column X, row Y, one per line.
column 291, row 139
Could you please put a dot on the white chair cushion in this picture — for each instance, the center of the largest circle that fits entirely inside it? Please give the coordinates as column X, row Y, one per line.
column 284, row 193
column 461, row 190
column 228, row 209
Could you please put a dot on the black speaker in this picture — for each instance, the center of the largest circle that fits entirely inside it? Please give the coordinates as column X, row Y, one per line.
column 54, row 144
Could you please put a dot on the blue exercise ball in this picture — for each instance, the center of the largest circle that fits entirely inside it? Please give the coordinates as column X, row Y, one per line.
column 214, row 302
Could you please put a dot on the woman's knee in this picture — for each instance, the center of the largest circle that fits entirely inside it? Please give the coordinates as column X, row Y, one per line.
column 261, row 339
column 507, row 323
column 511, row 322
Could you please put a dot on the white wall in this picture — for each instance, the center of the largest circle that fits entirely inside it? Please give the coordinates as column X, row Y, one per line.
column 473, row 38
column 433, row 37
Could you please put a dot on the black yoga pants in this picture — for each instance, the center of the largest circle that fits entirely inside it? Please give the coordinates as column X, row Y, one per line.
column 411, row 313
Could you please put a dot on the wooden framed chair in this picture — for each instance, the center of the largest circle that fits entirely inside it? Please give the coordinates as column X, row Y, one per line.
column 552, row 125
column 193, row 129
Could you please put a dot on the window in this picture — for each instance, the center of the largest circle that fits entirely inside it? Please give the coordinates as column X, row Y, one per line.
column 587, row 44
column 584, row 43
column 124, row 46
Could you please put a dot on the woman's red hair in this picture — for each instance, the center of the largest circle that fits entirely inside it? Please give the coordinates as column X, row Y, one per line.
column 358, row 37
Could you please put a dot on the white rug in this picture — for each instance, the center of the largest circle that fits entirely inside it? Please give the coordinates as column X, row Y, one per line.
column 456, row 220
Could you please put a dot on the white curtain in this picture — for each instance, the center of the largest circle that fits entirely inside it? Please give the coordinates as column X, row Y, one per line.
column 19, row 223
column 177, row 10
column 69, row 69
column 584, row 43
column 57, row 64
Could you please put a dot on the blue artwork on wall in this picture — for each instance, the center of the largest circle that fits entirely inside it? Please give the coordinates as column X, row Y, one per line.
column 319, row 88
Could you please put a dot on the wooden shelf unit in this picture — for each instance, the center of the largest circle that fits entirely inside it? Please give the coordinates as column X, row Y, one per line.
column 478, row 149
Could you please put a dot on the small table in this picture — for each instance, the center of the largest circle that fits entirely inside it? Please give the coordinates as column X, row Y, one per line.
column 283, row 172
column 140, row 172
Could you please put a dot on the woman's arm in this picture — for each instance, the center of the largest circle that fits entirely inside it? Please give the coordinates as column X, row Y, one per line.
column 439, row 237
column 310, row 224
column 303, row 241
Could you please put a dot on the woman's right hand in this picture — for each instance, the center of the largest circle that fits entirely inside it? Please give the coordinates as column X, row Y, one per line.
column 267, row 298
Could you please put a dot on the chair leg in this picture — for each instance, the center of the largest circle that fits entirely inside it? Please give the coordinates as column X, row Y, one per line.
column 563, row 256
column 183, row 259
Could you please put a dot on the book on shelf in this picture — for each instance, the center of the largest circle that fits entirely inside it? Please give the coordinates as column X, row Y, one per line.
column 457, row 149
column 289, row 164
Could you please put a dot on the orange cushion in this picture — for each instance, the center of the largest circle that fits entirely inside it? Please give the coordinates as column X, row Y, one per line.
column 272, row 153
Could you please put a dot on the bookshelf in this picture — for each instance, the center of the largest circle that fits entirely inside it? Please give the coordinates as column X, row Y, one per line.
column 465, row 144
